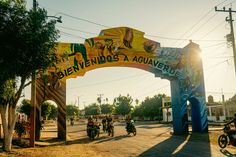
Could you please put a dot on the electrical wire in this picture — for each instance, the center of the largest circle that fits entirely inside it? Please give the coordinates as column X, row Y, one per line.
column 213, row 29
column 199, row 27
column 195, row 24
column 73, row 29
column 98, row 24
column 99, row 83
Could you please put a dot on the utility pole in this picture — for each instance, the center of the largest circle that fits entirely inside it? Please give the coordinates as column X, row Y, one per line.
column 33, row 100
column 230, row 37
column 224, row 106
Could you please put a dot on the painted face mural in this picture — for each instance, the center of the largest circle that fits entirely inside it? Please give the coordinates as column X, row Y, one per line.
column 127, row 47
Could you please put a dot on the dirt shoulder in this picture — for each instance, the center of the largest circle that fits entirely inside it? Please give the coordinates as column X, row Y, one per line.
column 73, row 150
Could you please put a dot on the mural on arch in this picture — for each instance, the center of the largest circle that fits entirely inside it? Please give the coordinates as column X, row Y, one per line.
column 127, row 47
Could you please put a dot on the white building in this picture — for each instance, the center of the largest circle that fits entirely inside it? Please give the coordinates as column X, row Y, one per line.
column 216, row 112
column 166, row 109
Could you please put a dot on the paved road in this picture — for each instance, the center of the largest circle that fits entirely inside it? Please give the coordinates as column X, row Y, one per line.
column 152, row 140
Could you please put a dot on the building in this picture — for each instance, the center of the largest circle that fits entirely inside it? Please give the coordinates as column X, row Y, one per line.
column 166, row 109
column 216, row 111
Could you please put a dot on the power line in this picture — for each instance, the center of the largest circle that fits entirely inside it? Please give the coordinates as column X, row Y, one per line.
column 156, row 36
column 195, row 24
column 162, row 87
column 217, row 64
column 229, row 3
column 81, row 19
column 212, row 29
column 200, row 27
column 218, row 44
column 183, row 39
column 99, row 83
column 95, row 23
column 221, row 2
column 73, row 29
column 72, row 35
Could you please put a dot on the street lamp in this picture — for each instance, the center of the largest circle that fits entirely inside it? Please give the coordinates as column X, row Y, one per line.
column 57, row 18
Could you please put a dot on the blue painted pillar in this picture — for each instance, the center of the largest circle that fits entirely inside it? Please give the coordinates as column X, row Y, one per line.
column 179, row 108
column 199, row 112
column 196, row 88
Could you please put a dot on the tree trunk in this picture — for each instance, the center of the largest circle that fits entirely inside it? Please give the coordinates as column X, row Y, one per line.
column 8, row 123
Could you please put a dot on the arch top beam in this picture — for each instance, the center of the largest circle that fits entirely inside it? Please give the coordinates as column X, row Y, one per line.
column 117, row 47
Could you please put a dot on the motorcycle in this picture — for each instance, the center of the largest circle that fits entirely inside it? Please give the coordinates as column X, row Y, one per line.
column 72, row 123
column 93, row 131
column 110, row 129
column 225, row 139
column 104, row 127
column 130, row 128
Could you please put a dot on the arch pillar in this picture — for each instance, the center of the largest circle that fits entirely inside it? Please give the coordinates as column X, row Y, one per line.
column 179, row 108
column 55, row 90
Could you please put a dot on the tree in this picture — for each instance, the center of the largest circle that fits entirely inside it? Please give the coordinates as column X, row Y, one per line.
column 92, row 109
column 123, row 104
column 106, row 109
column 25, row 107
column 46, row 109
column 72, row 111
column 53, row 113
column 99, row 100
column 150, row 107
column 138, row 111
column 26, row 42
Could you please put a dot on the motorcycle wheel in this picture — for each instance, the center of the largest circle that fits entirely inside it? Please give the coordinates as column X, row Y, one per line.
column 222, row 141
column 92, row 136
column 98, row 133
column 112, row 132
column 134, row 132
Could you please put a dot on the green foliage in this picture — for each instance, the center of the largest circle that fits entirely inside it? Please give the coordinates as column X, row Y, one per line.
column 26, row 42
column 72, row 111
column 106, row 108
column 7, row 91
column 25, row 107
column 46, row 109
column 99, row 100
column 123, row 104
column 93, row 109
column 53, row 113
column 150, row 107
column 26, row 38
column 20, row 129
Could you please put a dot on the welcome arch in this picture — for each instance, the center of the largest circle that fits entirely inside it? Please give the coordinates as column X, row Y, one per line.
column 127, row 47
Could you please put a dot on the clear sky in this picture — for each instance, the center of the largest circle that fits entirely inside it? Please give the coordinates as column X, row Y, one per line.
column 171, row 22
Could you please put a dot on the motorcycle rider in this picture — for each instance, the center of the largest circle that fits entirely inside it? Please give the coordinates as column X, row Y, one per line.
column 232, row 132
column 72, row 121
column 90, row 125
column 128, row 122
column 104, row 121
column 109, row 121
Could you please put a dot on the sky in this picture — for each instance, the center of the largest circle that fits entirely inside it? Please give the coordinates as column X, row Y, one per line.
column 173, row 23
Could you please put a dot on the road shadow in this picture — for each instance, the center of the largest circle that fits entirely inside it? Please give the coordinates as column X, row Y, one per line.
column 181, row 146
column 152, row 126
column 59, row 142
column 115, row 138
column 227, row 153
column 76, row 131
